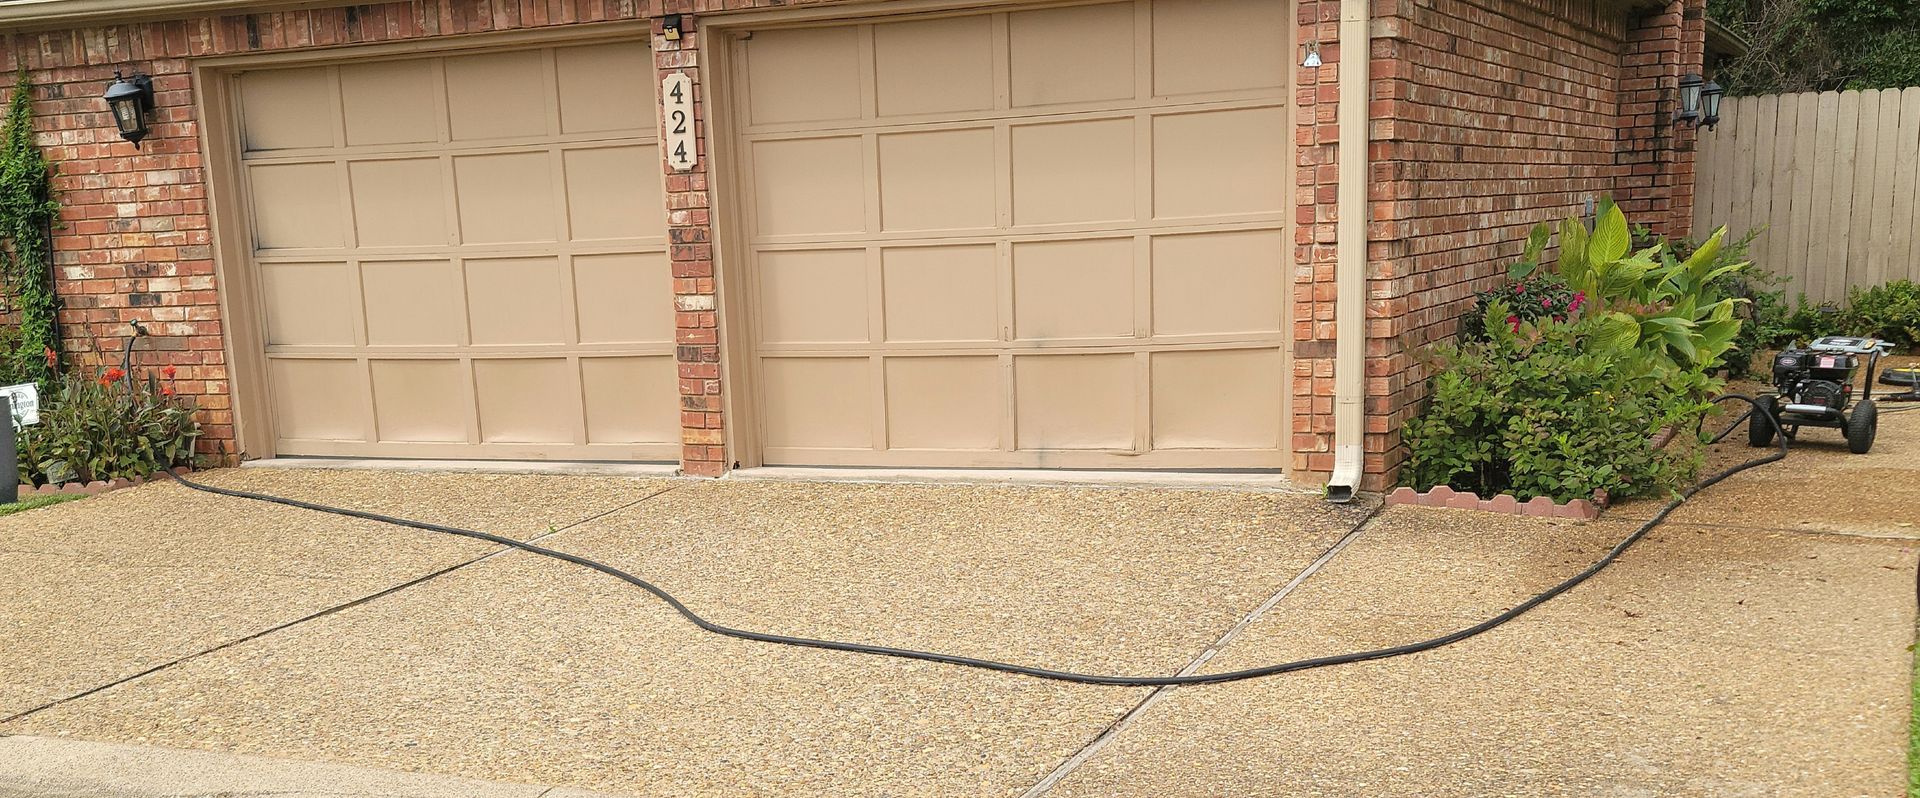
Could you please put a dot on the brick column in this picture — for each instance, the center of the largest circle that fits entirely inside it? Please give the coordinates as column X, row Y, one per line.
column 1655, row 157
column 703, row 450
column 1316, row 131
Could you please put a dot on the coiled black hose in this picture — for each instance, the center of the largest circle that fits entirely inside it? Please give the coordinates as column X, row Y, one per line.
column 1046, row 673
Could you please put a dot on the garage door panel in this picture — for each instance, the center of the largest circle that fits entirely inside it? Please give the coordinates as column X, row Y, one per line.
column 1221, row 163
column 531, row 400
column 631, row 399
column 497, row 95
column 1218, row 399
column 1220, row 45
column 412, row 303
column 817, row 402
column 286, row 109
column 1220, row 283
column 1054, row 203
column 1071, row 55
column 505, row 198
column 308, row 304
column 944, row 403
column 1074, row 401
column 398, row 202
column 809, row 186
column 604, row 88
column 613, row 297
column 803, row 75
column 614, row 192
column 296, row 205
column 1074, row 172
column 937, row 181
column 515, row 301
column 309, row 395
column 813, row 296
column 941, row 293
column 480, row 264
column 419, row 400
column 390, row 102
column 935, row 65
column 1073, row 289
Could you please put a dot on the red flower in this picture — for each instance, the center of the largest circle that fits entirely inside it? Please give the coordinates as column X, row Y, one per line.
column 111, row 375
column 166, row 391
column 53, row 358
column 1514, row 323
column 168, row 372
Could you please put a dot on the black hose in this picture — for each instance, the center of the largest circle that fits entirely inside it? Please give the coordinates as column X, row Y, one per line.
column 1046, row 673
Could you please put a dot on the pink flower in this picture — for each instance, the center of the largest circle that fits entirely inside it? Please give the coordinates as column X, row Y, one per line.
column 1513, row 323
column 1546, row 303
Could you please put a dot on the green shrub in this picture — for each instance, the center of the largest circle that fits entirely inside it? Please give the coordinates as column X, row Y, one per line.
column 1541, row 295
column 109, row 426
column 1566, row 405
column 1890, row 312
column 1543, row 412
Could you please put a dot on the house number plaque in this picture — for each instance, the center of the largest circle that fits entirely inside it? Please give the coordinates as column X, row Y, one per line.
column 676, row 93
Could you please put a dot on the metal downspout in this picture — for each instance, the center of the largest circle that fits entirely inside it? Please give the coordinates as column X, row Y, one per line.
column 1350, row 267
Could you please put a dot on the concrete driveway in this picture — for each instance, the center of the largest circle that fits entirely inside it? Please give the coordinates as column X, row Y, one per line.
column 1755, row 657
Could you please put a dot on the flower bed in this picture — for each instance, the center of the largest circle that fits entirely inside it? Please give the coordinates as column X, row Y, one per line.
column 1562, row 378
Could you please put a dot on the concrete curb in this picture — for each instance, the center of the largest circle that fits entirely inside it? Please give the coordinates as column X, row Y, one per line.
column 62, row 768
column 1539, row 506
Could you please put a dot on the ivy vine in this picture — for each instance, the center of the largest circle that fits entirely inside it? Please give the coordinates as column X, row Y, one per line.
column 27, row 212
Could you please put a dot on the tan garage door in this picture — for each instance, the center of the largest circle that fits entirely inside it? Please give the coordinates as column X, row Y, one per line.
column 463, row 256
column 1045, row 238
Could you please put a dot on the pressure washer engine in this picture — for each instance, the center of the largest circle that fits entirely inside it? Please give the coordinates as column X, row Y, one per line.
column 1814, row 386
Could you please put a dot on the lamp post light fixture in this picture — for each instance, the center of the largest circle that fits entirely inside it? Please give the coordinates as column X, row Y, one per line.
column 131, row 101
column 1710, row 96
column 1690, row 90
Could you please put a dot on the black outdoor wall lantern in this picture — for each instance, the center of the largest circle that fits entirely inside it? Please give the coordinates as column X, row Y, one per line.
column 1691, row 86
column 131, row 101
column 1710, row 95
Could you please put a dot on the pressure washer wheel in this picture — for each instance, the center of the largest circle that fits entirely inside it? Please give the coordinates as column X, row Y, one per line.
column 1759, row 429
column 1861, row 427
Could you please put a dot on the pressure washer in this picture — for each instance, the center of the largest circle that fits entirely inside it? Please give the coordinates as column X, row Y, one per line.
column 1814, row 385
column 1753, row 417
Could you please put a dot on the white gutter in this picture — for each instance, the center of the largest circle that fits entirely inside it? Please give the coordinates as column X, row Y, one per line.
column 1350, row 266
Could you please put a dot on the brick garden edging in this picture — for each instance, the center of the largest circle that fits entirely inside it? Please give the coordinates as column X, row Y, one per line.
column 95, row 487
column 1539, row 506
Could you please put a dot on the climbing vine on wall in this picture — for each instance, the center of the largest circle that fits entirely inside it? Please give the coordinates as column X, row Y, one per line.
column 27, row 211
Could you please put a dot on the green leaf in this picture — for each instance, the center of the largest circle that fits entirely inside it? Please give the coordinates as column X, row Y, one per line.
column 1611, row 237
column 1615, row 331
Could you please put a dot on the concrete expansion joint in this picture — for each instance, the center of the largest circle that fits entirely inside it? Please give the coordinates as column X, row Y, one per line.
column 1218, row 646
column 379, row 594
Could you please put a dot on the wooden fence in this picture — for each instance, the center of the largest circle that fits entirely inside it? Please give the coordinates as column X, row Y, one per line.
column 1830, row 179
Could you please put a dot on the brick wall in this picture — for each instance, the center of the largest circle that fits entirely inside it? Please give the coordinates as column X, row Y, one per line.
column 1487, row 117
